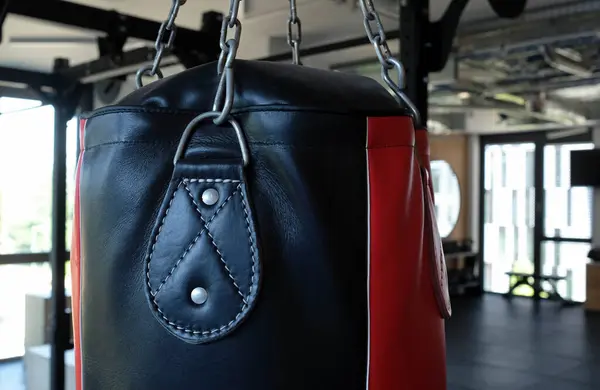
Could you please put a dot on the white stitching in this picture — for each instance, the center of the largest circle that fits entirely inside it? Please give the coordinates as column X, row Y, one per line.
column 212, row 239
column 201, row 332
column 211, row 180
column 254, row 282
column 162, row 223
column 188, row 249
column 214, row 244
column 195, row 239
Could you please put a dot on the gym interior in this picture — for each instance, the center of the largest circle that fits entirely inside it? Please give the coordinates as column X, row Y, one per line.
column 508, row 90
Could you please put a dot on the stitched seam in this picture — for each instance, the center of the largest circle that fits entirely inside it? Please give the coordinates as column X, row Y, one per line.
column 162, row 223
column 282, row 145
column 214, row 244
column 253, row 282
column 186, row 180
column 282, row 107
column 172, row 271
column 253, row 279
column 201, row 332
column 187, row 250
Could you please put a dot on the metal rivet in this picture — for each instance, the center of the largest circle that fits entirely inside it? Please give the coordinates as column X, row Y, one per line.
column 210, row 196
column 199, row 296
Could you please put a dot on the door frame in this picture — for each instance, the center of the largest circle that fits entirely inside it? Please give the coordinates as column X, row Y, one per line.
column 539, row 139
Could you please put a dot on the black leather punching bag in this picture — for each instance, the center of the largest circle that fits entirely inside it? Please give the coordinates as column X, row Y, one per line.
column 508, row 9
column 291, row 245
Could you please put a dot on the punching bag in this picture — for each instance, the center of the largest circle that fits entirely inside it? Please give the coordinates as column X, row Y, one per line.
column 509, row 9
column 247, row 225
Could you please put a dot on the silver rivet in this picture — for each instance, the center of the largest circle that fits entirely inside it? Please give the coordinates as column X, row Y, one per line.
column 199, row 296
column 210, row 196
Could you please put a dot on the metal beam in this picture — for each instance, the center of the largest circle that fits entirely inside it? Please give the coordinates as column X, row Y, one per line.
column 14, row 77
column 105, row 67
column 415, row 48
column 328, row 47
column 25, row 258
column 524, row 35
column 96, row 19
column 20, row 93
column 116, row 63
column 58, row 256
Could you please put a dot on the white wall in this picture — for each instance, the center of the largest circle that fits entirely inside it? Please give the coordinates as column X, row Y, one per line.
column 596, row 201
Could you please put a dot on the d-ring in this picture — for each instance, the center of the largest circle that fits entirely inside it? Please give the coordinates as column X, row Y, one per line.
column 146, row 71
column 212, row 114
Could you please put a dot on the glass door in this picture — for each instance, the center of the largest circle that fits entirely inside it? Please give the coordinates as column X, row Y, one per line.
column 534, row 224
column 508, row 220
column 567, row 222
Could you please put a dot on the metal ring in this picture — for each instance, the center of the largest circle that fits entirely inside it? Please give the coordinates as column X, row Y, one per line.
column 225, row 26
column 229, row 92
column 174, row 11
column 395, row 87
column 234, row 8
column 291, row 37
column 146, row 71
column 212, row 114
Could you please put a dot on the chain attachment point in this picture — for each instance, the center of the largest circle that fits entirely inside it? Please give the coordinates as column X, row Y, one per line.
column 146, row 71
column 191, row 127
column 160, row 46
column 386, row 58
column 224, row 96
column 396, row 87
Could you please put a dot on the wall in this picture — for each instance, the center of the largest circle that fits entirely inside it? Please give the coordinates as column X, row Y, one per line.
column 454, row 149
column 596, row 200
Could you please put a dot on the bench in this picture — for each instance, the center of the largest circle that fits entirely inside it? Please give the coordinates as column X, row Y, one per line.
column 524, row 279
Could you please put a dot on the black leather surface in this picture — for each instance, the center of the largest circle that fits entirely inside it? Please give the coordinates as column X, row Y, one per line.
column 195, row 245
column 306, row 185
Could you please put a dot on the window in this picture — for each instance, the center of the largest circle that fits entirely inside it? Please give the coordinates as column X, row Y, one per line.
column 26, row 139
column 26, row 155
column 17, row 281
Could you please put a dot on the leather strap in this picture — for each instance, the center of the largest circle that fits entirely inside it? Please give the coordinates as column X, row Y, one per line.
column 204, row 240
column 435, row 250
column 437, row 259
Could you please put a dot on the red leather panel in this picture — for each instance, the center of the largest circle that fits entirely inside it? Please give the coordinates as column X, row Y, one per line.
column 424, row 152
column 76, row 267
column 406, row 331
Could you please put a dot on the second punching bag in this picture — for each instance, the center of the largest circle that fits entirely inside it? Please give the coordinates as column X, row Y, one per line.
column 258, row 226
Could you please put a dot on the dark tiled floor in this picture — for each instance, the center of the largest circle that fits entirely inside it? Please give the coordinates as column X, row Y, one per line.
column 494, row 344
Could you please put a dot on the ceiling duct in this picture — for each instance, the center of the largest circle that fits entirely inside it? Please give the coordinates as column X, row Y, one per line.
column 564, row 63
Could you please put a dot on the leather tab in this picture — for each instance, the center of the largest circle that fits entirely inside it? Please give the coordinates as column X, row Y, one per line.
column 202, row 245
column 436, row 252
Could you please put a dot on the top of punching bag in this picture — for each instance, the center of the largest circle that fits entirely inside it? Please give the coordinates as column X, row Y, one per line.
column 268, row 86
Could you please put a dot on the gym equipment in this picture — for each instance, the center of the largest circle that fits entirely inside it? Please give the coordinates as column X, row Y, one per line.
column 508, row 9
column 278, row 233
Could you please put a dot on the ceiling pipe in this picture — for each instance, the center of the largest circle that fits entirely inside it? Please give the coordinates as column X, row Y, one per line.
column 512, row 112
column 564, row 64
column 538, row 127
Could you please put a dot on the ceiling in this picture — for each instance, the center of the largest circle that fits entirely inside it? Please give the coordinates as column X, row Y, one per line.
column 322, row 20
column 546, row 63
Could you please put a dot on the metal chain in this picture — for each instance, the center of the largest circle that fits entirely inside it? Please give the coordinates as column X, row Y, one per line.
column 294, row 34
column 160, row 46
column 385, row 56
column 229, row 48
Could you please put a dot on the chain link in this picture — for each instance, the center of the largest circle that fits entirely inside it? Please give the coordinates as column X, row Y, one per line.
column 376, row 33
column 294, row 33
column 223, row 102
column 160, row 45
